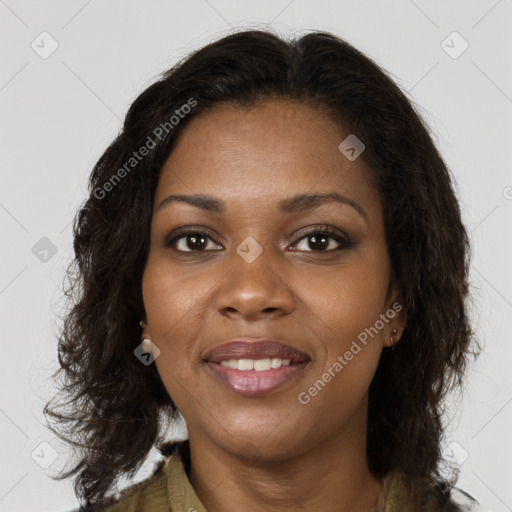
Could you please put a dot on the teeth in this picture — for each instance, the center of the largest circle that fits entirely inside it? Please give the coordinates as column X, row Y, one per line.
column 255, row 364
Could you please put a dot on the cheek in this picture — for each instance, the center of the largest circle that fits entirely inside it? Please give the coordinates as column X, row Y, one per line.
column 173, row 304
column 174, row 315
column 349, row 298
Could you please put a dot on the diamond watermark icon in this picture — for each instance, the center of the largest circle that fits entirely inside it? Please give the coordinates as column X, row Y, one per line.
column 351, row 147
column 147, row 352
column 44, row 250
column 44, row 455
column 456, row 453
column 249, row 249
column 454, row 45
column 44, row 45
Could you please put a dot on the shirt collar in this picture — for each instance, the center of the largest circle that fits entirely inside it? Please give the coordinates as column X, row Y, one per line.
column 183, row 498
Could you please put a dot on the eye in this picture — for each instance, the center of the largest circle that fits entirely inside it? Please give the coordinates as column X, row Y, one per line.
column 319, row 239
column 322, row 239
column 196, row 241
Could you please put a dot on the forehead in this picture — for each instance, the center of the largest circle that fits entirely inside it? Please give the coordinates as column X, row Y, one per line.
column 263, row 151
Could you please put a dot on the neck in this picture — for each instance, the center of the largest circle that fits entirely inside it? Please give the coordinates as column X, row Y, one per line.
column 332, row 475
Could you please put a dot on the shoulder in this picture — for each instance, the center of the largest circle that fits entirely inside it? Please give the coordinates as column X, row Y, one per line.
column 142, row 496
column 465, row 501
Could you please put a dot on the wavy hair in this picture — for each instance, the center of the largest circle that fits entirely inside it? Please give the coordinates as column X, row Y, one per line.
column 114, row 408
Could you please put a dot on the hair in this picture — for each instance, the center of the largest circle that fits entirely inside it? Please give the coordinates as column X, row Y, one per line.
column 115, row 406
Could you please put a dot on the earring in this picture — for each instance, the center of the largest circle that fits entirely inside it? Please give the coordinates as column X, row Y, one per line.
column 147, row 345
column 141, row 323
column 393, row 342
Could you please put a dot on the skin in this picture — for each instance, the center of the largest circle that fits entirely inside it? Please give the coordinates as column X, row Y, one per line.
column 270, row 452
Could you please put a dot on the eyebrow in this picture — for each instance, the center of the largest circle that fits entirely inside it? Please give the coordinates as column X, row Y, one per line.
column 298, row 203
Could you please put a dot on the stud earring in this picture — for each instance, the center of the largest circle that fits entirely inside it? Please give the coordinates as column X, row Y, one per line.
column 147, row 345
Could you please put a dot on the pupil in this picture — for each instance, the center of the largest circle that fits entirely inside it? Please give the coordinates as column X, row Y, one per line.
column 317, row 243
column 194, row 244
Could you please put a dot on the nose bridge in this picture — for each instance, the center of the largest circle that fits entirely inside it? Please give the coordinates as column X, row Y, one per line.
column 254, row 283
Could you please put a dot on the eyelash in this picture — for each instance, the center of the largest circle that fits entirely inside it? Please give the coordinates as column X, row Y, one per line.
column 326, row 231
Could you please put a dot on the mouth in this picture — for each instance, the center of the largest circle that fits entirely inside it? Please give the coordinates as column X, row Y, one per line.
column 251, row 367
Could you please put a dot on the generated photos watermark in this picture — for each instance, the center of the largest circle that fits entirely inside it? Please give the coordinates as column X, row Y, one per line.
column 304, row 397
column 160, row 132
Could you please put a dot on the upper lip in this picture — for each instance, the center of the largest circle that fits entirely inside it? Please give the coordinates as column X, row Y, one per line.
column 255, row 348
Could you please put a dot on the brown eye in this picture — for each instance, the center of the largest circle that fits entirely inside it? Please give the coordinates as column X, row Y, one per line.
column 325, row 240
column 190, row 241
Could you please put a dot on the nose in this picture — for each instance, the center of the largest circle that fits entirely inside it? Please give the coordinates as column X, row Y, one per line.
column 254, row 290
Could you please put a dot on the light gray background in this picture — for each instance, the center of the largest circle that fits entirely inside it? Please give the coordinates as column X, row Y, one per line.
column 58, row 115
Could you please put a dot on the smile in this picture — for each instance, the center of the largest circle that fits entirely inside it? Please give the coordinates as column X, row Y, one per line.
column 258, row 377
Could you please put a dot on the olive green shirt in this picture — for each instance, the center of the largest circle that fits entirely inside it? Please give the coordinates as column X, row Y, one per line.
column 168, row 489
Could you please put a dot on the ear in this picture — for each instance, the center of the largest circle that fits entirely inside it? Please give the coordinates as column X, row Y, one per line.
column 395, row 312
column 145, row 334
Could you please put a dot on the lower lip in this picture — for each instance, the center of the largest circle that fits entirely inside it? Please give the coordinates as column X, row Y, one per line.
column 255, row 383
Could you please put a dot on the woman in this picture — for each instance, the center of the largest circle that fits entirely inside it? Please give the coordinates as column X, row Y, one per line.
column 272, row 247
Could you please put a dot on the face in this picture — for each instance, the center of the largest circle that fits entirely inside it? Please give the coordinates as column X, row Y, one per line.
column 260, row 266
